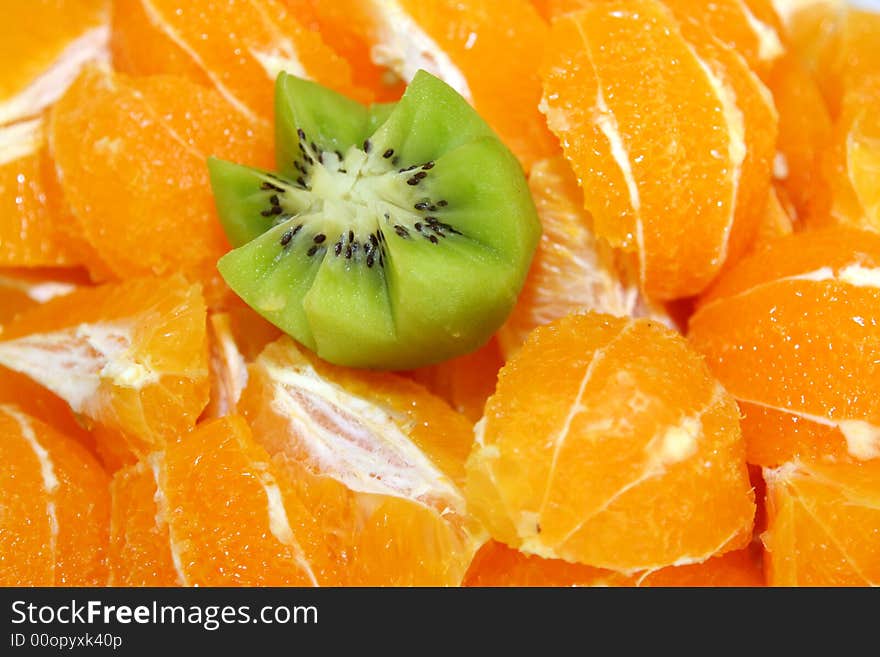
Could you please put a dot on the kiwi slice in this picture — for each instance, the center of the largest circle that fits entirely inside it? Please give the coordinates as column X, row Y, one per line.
column 391, row 237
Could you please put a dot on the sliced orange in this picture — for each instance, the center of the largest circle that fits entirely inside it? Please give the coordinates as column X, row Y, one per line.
column 378, row 459
column 465, row 382
column 498, row 565
column 823, row 524
column 212, row 511
column 776, row 220
column 56, row 507
column 128, row 357
column 659, row 131
column 573, row 270
column 627, row 406
column 488, row 50
column 43, row 44
column 791, row 332
column 237, row 46
column 131, row 159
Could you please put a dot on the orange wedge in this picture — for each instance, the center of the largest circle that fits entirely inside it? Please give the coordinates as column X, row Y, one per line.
column 791, row 332
column 211, row 511
column 573, row 270
column 378, row 459
column 131, row 155
column 43, row 45
column 488, row 50
column 130, row 358
column 823, row 524
column 627, row 406
column 497, row 565
column 659, row 130
column 56, row 507
column 237, row 46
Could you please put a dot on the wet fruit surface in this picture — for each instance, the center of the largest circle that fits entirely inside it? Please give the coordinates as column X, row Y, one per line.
column 619, row 256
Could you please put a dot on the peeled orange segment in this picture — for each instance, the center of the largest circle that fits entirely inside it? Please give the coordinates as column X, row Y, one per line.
column 804, row 133
column 24, row 288
column 791, row 332
column 140, row 547
column 487, row 50
column 235, row 338
column 29, row 232
column 573, row 270
column 43, row 45
column 498, row 565
column 627, row 406
column 747, row 26
column 239, row 47
column 131, row 159
column 56, row 507
column 211, row 511
column 776, row 220
column 130, row 357
column 748, row 106
column 823, row 524
column 346, row 26
column 652, row 133
column 378, row 459
column 465, row 382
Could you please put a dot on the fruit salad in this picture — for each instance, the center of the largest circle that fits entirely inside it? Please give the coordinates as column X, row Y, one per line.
column 439, row 293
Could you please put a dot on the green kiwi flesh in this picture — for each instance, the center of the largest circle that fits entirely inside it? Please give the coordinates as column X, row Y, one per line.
column 392, row 236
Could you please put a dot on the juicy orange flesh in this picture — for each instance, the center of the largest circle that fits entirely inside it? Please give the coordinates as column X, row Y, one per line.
column 594, row 377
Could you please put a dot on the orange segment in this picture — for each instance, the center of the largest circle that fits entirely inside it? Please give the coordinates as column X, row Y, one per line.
column 130, row 357
column 824, row 524
column 345, row 25
column 211, row 511
column 131, row 159
column 24, row 288
column 747, row 26
column 465, row 382
column 498, row 565
column 236, row 338
column 657, row 137
column 776, row 221
column 237, row 46
column 573, row 270
column 140, row 552
column 488, row 50
column 43, row 44
column 627, row 406
column 56, row 507
column 792, row 330
column 29, row 230
column 379, row 456
column 804, row 133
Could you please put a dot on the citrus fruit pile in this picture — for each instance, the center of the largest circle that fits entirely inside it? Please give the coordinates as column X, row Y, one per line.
column 510, row 293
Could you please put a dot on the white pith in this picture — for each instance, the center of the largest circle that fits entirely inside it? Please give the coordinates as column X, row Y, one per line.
column 769, row 44
column 52, row 83
column 20, row 140
column 47, row 472
column 39, row 292
column 404, row 47
column 355, row 441
column 157, row 465
column 73, row 362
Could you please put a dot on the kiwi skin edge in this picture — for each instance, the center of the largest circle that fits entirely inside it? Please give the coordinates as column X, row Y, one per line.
column 391, row 237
